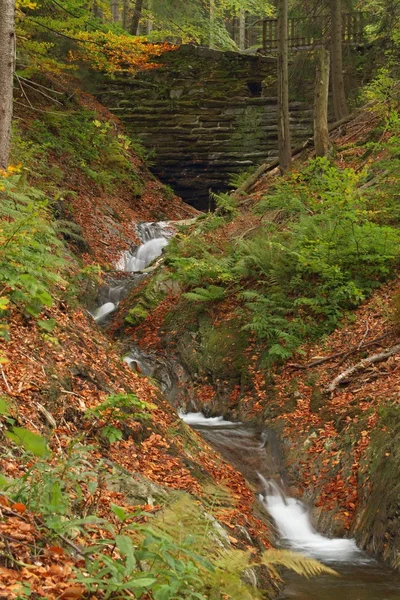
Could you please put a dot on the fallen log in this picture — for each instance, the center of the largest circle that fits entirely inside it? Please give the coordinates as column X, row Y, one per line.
column 360, row 366
column 343, row 353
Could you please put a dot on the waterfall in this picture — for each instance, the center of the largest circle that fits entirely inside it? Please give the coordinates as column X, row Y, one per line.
column 103, row 310
column 154, row 237
column 293, row 522
column 142, row 257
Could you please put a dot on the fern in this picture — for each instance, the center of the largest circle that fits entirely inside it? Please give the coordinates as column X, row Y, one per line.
column 32, row 258
column 211, row 293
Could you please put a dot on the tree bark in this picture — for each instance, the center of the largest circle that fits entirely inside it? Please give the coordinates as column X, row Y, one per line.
column 7, row 67
column 321, row 133
column 212, row 24
column 137, row 13
column 125, row 15
column 363, row 364
column 242, row 30
column 115, row 10
column 285, row 157
column 97, row 11
column 338, row 91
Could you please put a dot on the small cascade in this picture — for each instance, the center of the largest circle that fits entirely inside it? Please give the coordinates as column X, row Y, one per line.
column 199, row 419
column 154, row 237
column 257, row 456
column 105, row 309
column 142, row 257
column 157, row 367
column 293, row 522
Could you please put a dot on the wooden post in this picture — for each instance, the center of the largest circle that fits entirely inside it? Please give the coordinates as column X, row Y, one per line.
column 321, row 132
column 7, row 67
column 285, row 155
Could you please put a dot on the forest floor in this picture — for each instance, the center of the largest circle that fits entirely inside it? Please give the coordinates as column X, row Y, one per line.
column 50, row 385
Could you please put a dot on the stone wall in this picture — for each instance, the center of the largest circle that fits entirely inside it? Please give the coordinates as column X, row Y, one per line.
column 206, row 114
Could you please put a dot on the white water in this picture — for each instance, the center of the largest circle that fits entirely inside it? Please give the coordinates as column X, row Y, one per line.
column 154, row 237
column 293, row 522
column 143, row 256
column 103, row 311
column 200, row 419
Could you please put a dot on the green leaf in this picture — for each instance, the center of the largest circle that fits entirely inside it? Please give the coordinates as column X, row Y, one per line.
column 47, row 325
column 119, row 512
column 4, row 302
column 4, row 406
column 3, row 482
column 30, row 441
column 140, row 584
column 126, row 548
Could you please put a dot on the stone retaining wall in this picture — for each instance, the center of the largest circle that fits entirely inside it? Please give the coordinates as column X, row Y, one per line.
column 206, row 114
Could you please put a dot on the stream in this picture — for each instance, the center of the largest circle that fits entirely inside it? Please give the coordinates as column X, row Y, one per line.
column 256, row 455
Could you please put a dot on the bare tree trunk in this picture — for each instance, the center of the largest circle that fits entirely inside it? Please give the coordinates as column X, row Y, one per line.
column 212, row 23
column 125, row 14
column 242, row 30
column 285, row 157
column 321, row 133
column 7, row 66
column 97, row 12
column 338, row 91
column 137, row 13
column 115, row 10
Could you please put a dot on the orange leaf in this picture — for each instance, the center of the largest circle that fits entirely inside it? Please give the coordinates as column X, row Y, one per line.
column 19, row 507
column 73, row 592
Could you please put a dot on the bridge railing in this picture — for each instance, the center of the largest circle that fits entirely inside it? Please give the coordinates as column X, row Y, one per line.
column 303, row 32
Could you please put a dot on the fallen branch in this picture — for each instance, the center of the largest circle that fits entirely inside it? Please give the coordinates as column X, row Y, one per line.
column 266, row 167
column 343, row 353
column 363, row 364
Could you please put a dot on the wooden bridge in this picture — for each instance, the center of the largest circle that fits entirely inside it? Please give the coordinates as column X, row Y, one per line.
column 303, row 33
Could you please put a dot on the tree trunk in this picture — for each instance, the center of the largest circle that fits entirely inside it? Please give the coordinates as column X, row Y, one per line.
column 97, row 11
column 137, row 13
column 115, row 10
column 242, row 30
column 212, row 24
column 7, row 66
column 338, row 92
column 285, row 157
column 125, row 14
column 321, row 133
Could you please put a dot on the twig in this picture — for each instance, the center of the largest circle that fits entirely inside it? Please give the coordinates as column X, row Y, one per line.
column 73, row 546
column 40, row 92
column 363, row 364
column 5, row 379
column 35, row 83
column 364, row 336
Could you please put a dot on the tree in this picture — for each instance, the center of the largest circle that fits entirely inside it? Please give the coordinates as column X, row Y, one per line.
column 7, row 66
column 115, row 10
column 285, row 157
column 338, row 91
column 137, row 13
column 321, row 132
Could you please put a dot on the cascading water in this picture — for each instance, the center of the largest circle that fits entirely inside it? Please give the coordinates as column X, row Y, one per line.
column 293, row 522
column 154, row 237
column 257, row 456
